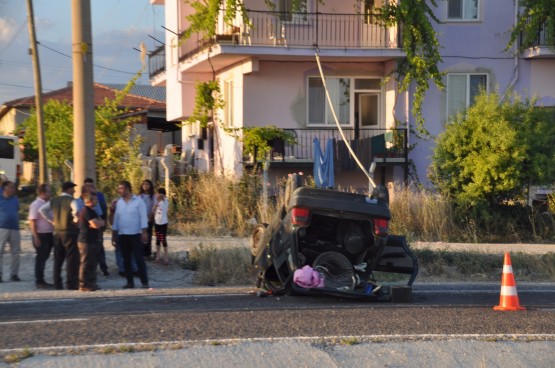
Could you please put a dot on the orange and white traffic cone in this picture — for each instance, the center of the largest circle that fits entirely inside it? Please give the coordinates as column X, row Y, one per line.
column 508, row 300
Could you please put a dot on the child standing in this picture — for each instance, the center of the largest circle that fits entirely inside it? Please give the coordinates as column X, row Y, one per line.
column 160, row 211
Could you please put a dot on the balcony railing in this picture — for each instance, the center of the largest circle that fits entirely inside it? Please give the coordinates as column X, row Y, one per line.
column 542, row 38
column 370, row 145
column 277, row 29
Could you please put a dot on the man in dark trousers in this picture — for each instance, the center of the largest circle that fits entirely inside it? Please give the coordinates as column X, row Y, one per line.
column 43, row 235
column 129, row 231
column 64, row 218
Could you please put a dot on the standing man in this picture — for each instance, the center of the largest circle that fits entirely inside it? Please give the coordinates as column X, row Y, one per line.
column 102, row 210
column 43, row 235
column 64, row 218
column 9, row 227
column 90, row 224
column 129, row 231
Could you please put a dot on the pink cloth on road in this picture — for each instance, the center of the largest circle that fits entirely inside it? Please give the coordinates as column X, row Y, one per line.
column 306, row 277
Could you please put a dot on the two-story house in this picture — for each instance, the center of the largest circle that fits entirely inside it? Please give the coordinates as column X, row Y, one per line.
column 268, row 75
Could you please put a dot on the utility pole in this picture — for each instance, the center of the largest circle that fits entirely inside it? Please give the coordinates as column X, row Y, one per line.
column 43, row 175
column 83, row 100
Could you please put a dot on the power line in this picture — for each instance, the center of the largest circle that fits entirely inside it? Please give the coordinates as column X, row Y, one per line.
column 20, row 86
column 95, row 65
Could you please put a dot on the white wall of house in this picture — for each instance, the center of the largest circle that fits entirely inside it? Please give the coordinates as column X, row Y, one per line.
column 12, row 119
column 277, row 94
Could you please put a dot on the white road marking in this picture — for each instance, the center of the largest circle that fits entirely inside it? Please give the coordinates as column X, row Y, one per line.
column 43, row 321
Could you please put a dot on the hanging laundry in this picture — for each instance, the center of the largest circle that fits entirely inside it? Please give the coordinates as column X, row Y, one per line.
column 323, row 165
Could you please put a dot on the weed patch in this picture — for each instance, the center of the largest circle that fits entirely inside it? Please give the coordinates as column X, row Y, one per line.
column 220, row 266
column 18, row 356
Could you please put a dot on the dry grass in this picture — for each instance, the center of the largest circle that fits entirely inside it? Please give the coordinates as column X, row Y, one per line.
column 220, row 266
column 205, row 204
column 421, row 215
column 232, row 266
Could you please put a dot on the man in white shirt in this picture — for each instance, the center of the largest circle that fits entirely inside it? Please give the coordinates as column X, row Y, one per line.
column 129, row 229
column 43, row 235
column 61, row 211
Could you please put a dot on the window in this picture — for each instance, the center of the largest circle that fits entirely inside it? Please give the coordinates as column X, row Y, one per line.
column 288, row 13
column 228, row 105
column 462, row 89
column 319, row 111
column 462, row 9
column 354, row 100
column 7, row 148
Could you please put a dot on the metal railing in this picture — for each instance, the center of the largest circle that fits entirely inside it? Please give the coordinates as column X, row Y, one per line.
column 543, row 38
column 157, row 61
column 316, row 29
column 369, row 144
column 266, row 28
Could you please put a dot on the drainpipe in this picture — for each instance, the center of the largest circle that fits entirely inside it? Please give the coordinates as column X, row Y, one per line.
column 515, row 72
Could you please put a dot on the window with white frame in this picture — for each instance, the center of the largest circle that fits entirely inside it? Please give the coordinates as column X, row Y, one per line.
column 462, row 9
column 289, row 13
column 354, row 100
column 228, row 103
column 462, row 88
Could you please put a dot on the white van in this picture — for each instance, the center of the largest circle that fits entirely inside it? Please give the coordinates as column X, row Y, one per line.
column 10, row 158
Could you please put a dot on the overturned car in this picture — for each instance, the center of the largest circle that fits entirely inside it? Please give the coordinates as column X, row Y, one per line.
column 332, row 243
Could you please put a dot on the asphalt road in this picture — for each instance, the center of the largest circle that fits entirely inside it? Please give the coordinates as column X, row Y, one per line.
column 176, row 324
column 435, row 309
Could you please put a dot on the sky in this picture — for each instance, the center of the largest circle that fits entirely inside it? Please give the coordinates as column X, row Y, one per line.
column 118, row 26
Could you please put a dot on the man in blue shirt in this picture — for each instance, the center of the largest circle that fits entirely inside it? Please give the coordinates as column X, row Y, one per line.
column 9, row 227
column 129, row 229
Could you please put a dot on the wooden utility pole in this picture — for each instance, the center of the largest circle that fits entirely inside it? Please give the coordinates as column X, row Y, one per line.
column 84, row 163
column 43, row 174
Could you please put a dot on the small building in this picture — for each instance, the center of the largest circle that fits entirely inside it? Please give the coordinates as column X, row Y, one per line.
column 146, row 102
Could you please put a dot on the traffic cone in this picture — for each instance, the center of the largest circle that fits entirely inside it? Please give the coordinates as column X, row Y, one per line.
column 508, row 300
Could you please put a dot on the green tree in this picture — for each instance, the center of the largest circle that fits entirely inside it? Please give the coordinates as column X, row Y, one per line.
column 117, row 148
column 117, row 145
column 535, row 16
column 58, row 123
column 492, row 151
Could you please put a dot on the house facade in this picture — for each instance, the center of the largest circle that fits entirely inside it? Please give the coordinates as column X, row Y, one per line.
column 268, row 75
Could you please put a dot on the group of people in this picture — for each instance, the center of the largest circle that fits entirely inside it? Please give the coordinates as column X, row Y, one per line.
column 74, row 229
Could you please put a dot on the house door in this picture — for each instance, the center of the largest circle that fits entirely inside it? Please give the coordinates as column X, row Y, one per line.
column 372, row 34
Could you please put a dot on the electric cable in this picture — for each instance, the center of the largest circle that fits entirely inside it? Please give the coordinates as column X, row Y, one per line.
column 371, row 181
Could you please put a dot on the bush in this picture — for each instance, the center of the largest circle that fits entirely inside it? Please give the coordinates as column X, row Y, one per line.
column 489, row 154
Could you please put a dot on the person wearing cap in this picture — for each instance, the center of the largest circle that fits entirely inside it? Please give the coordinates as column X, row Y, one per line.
column 61, row 212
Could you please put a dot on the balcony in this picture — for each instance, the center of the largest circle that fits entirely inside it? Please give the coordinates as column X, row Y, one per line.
column 290, row 31
column 541, row 47
column 382, row 146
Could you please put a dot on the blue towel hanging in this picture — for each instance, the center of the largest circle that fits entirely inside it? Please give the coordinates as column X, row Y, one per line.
column 323, row 164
